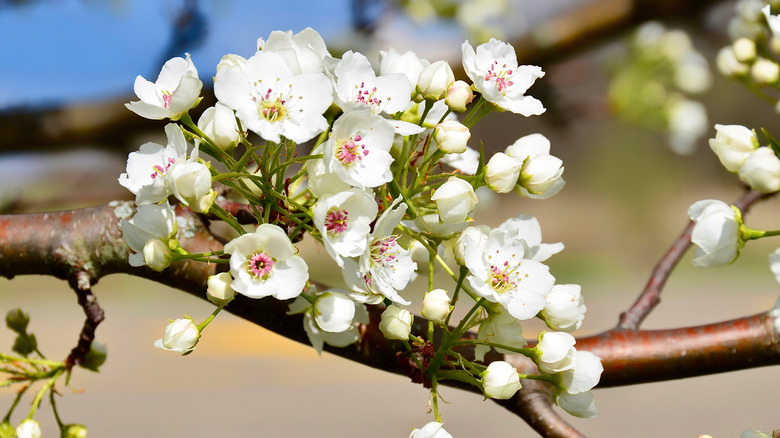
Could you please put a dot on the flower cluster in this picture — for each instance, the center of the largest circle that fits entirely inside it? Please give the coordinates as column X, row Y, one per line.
column 388, row 168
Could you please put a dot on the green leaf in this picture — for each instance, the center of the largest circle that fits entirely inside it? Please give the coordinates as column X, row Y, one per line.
column 773, row 143
column 25, row 344
column 17, row 320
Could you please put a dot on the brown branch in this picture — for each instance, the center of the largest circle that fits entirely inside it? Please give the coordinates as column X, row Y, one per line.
column 650, row 297
column 94, row 316
column 87, row 244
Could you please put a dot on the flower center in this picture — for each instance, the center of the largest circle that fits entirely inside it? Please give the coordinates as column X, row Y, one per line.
column 369, row 96
column 502, row 76
column 336, row 221
column 504, row 276
column 272, row 108
column 350, row 151
column 166, row 98
column 160, row 170
column 385, row 251
column 260, row 265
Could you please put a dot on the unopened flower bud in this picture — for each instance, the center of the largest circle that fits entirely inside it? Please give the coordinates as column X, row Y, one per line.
column 396, row 323
column 502, row 172
column 500, row 380
column 434, row 80
column 455, row 199
column 451, row 136
column 469, row 238
column 459, row 94
column 231, row 61
column 219, row 124
column 728, row 65
column 6, row 430
column 744, row 50
column 556, row 352
column 157, row 255
column 28, row 428
column 190, row 182
column 765, row 71
column 74, row 431
column 17, row 321
column 334, row 312
column 761, row 170
column 219, row 291
column 181, row 336
column 733, row 144
column 565, row 308
column 436, row 305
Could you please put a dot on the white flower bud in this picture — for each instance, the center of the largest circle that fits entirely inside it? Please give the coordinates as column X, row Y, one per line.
column 565, row 308
column 396, row 323
column 582, row 405
column 502, row 172
column 744, row 50
column 459, row 94
column 455, row 199
column 190, row 182
column 156, row 255
column 765, row 71
column 728, row 65
column 716, row 233
column 434, row 80
column 451, row 136
column 180, row 336
column 334, row 312
column 556, row 352
column 733, row 144
column 469, row 238
column 436, row 305
column 28, row 428
column 407, row 63
column 540, row 173
column 219, row 290
column 219, row 124
column 431, row 430
column 231, row 61
column 500, row 380
column 761, row 170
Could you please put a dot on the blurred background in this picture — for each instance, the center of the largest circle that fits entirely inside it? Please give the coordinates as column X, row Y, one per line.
column 632, row 94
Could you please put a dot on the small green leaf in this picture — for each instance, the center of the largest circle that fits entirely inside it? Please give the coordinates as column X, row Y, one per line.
column 17, row 320
column 773, row 143
column 25, row 344
column 95, row 358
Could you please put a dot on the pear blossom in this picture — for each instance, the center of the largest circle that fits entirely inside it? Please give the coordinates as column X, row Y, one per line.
column 500, row 380
column 451, row 136
column 396, row 323
column 181, row 336
column 436, row 305
column 459, row 94
column 334, row 319
column 190, row 182
column 733, row 144
column 357, row 85
column 565, row 308
column 344, row 220
column 744, row 50
column 434, row 80
column 304, row 52
column 500, row 273
column 231, row 62
column 265, row 263
column 761, row 170
column 715, row 233
column 469, row 238
column 146, row 169
column 494, row 71
column 219, row 290
column 431, row 430
column 499, row 328
column 358, row 150
column 385, row 267
column 585, row 374
column 556, row 352
column 540, row 176
column 526, row 229
column 176, row 90
column 728, row 65
column 219, row 124
column 687, row 122
column 272, row 101
column 502, row 172
column 149, row 224
column 772, row 20
column 765, row 71
column 454, row 199
column 157, row 255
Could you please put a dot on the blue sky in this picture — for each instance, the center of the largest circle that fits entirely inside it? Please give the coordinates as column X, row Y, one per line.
column 64, row 50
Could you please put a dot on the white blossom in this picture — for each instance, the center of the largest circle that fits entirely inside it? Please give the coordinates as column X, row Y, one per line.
column 527, row 230
column 190, row 182
column 499, row 328
column 274, row 102
column 28, row 428
column 459, row 94
column 451, row 137
column 304, row 52
column 396, row 323
column 434, row 80
column 180, row 336
column 733, row 144
column 357, row 86
column 407, row 63
column 582, row 405
column 176, row 90
column 264, row 263
column 431, row 430
column 541, row 174
column 585, row 374
column 556, row 352
column 565, row 308
column 335, row 312
column 454, row 199
column 219, row 124
column 436, row 305
column 150, row 223
column 502, row 172
column 219, row 290
column 494, row 71
column 761, row 170
column 344, row 220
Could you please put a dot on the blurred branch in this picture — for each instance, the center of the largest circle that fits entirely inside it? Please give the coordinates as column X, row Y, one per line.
column 87, row 244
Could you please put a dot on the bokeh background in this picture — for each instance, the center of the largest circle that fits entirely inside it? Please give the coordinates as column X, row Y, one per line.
column 66, row 67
